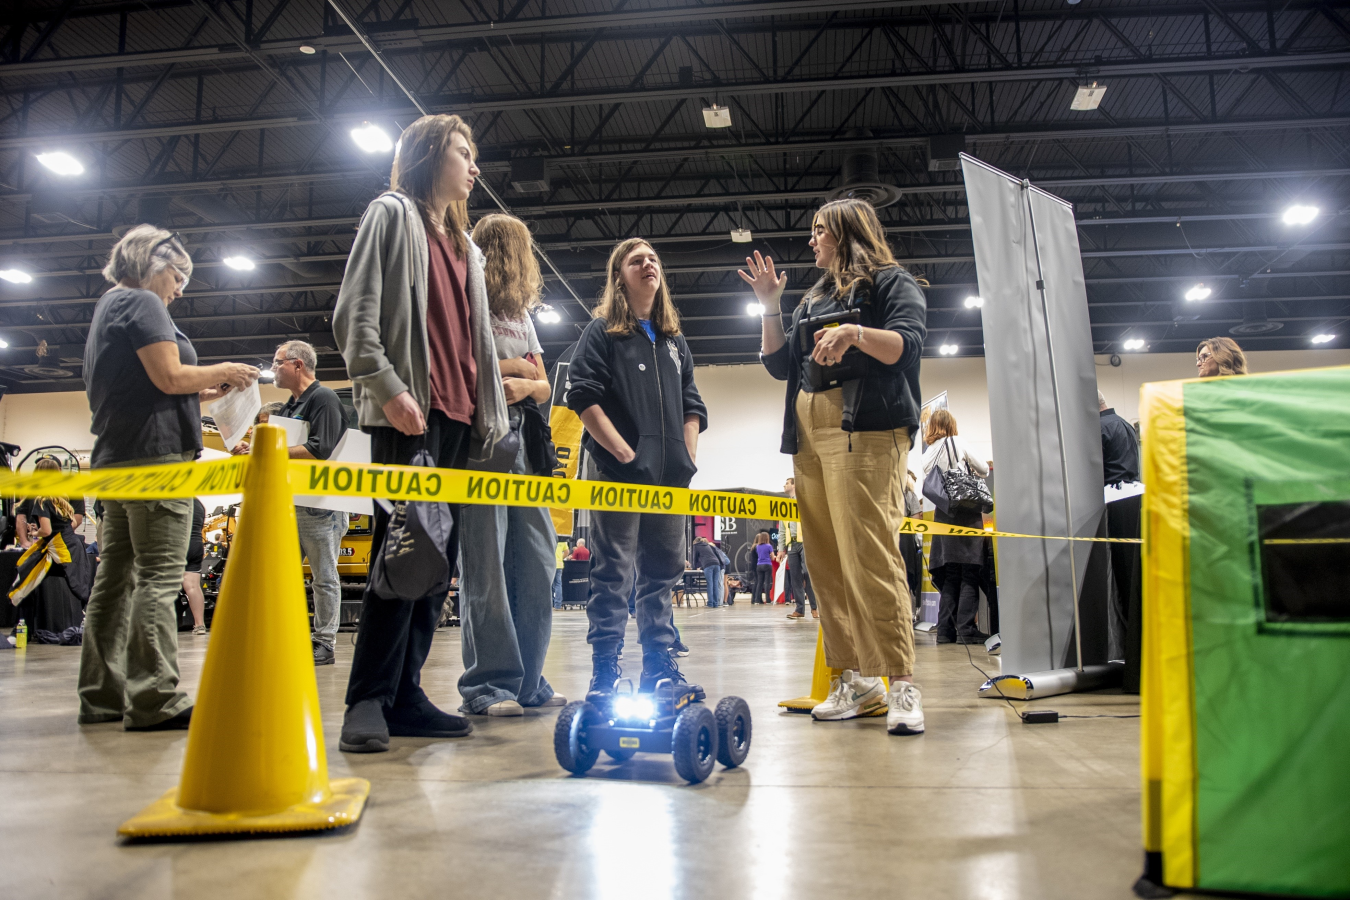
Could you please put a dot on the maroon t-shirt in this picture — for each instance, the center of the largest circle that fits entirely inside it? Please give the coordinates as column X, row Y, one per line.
column 454, row 376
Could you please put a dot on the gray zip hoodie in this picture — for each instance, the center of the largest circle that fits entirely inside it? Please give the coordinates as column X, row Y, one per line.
column 380, row 321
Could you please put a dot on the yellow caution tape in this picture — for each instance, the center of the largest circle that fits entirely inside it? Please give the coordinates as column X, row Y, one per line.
column 923, row 526
column 324, row 478
column 168, row 482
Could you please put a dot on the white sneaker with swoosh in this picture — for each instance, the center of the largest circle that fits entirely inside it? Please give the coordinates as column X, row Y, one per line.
column 904, row 713
column 851, row 695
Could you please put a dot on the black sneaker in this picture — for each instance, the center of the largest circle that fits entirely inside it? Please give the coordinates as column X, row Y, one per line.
column 323, row 656
column 364, row 729
column 678, row 649
column 173, row 723
column 605, row 674
column 976, row 637
column 426, row 720
column 660, row 665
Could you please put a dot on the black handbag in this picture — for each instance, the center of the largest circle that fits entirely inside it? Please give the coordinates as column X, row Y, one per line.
column 962, row 489
column 504, row 452
column 412, row 563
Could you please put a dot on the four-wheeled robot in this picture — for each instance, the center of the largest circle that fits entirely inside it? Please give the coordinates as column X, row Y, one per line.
column 670, row 719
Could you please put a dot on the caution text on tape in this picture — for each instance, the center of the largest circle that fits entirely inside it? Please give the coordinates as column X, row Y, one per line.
column 414, row 483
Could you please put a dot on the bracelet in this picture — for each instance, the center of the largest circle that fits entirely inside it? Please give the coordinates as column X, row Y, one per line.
column 860, row 334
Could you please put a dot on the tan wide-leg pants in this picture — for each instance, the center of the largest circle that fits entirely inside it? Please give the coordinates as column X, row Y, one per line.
column 851, row 505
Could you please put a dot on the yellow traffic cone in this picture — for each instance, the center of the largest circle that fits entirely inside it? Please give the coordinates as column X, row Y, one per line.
column 821, row 675
column 255, row 757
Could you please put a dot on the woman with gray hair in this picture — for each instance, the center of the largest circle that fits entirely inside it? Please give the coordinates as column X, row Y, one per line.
column 145, row 392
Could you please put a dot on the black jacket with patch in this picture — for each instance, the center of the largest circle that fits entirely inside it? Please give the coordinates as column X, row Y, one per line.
column 646, row 390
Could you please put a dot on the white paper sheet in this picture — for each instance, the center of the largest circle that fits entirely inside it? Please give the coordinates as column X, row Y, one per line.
column 234, row 413
column 354, row 447
column 297, row 430
column 1122, row 491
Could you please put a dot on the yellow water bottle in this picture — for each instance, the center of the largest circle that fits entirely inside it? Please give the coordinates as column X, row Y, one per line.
column 21, row 636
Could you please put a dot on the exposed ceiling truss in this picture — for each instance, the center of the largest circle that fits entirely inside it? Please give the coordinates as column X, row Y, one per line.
column 205, row 115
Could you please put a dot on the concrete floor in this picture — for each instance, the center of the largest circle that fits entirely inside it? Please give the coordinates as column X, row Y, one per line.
column 979, row 807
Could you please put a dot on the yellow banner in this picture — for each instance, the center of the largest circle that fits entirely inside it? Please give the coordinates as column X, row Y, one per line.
column 338, row 479
column 566, row 428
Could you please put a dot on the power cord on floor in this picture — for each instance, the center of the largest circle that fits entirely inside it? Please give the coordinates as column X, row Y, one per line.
column 993, row 683
column 1038, row 716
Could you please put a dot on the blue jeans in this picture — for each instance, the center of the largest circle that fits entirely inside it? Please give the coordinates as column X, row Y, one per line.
column 714, row 576
column 505, row 610
column 321, row 532
column 557, row 589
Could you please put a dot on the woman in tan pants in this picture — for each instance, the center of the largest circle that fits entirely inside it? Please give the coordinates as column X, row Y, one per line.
column 850, row 355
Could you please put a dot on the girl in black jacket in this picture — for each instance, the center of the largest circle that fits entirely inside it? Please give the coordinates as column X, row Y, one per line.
column 632, row 383
column 852, row 407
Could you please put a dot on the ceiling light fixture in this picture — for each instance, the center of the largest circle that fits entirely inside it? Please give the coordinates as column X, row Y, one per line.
column 754, row 309
column 974, row 303
column 16, row 276
column 307, row 50
column 1133, row 344
column 1300, row 215
column 741, row 236
column 372, row 139
column 1323, row 338
column 948, row 349
column 1088, row 97
column 548, row 315
column 716, row 116
column 61, row 163
column 239, row 263
column 3, row 344
column 1199, row 292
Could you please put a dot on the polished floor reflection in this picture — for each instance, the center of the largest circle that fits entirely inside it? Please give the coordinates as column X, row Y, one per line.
column 980, row 807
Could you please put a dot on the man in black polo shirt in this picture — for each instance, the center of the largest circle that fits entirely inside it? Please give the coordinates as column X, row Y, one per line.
column 1120, row 465
column 321, row 530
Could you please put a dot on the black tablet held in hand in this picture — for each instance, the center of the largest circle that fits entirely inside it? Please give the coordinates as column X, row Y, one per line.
column 823, row 378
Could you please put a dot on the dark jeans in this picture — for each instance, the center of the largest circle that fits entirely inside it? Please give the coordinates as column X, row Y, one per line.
column 799, row 581
column 763, row 585
column 1122, row 521
column 394, row 636
column 960, row 601
column 642, row 552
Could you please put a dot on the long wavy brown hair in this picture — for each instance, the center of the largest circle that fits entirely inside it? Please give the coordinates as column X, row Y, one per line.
column 862, row 248
column 613, row 306
column 510, row 272
column 1227, row 355
column 418, row 158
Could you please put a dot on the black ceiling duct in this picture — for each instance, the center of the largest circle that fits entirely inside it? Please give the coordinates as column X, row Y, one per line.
column 861, row 176
column 1255, row 320
column 529, row 175
column 944, row 152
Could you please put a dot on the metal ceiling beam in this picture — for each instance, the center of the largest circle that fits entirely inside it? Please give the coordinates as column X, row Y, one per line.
column 954, row 225
column 1147, row 69
column 420, row 37
column 732, row 266
column 697, row 200
column 48, row 327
